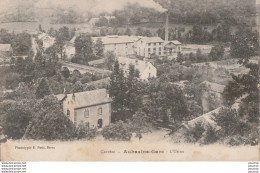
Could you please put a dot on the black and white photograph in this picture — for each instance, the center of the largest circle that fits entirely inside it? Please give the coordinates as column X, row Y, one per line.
column 129, row 80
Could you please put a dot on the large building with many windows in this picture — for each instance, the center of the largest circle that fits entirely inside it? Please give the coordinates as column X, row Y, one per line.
column 147, row 46
column 90, row 108
column 121, row 45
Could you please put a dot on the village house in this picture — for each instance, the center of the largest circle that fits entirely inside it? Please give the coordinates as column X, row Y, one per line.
column 47, row 41
column 171, row 49
column 91, row 108
column 120, row 45
column 6, row 50
column 146, row 69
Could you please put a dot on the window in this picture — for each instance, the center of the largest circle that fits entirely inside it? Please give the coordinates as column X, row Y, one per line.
column 68, row 112
column 154, row 44
column 149, row 44
column 100, row 123
column 86, row 113
column 160, row 48
column 99, row 111
column 154, row 50
column 160, row 44
column 160, row 53
column 149, row 49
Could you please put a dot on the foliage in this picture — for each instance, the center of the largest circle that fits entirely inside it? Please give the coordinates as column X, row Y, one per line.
column 99, row 48
column 82, row 131
column 15, row 121
column 84, row 47
column 21, row 44
column 12, row 80
column 210, row 135
column 49, row 122
column 244, row 45
column 216, row 53
column 230, row 123
column 110, row 59
column 118, row 131
column 194, row 134
column 42, row 89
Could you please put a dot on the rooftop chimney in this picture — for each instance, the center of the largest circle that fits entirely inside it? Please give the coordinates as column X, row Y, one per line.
column 167, row 27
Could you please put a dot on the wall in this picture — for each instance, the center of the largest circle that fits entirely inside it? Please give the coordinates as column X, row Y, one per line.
column 94, row 116
column 150, row 69
column 120, row 49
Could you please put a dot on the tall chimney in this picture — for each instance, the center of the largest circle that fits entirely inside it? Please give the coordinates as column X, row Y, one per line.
column 167, row 27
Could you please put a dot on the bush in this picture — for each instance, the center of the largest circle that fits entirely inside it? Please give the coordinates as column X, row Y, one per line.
column 118, row 131
column 194, row 134
column 230, row 123
column 210, row 135
column 50, row 127
column 12, row 80
column 83, row 132
column 15, row 121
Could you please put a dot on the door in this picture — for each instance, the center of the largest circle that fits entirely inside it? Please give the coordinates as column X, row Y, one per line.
column 100, row 123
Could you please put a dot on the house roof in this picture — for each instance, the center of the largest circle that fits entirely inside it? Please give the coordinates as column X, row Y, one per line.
column 73, row 39
column 96, row 62
column 152, row 40
column 176, row 42
column 205, row 119
column 86, row 98
column 139, row 64
column 116, row 39
column 5, row 47
column 214, row 86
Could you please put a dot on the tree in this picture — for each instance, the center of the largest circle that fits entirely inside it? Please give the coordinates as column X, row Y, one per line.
column 217, row 53
column 110, row 59
column 15, row 121
column 147, row 33
column 117, row 91
column 5, row 37
column 139, row 31
column 99, row 48
column 21, row 44
column 141, row 123
column 118, row 131
column 230, row 123
column 128, row 32
column 49, row 122
column 197, row 34
column 180, row 57
column 84, row 48
column 62, row 36
column 42, row 89
column 210, row 135
column 82, row 131
column 65, row 72
column 133, row 95
column 244, row 45
column 77, row 87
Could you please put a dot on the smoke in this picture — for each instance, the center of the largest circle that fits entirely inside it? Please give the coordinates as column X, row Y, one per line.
column 82, row 6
